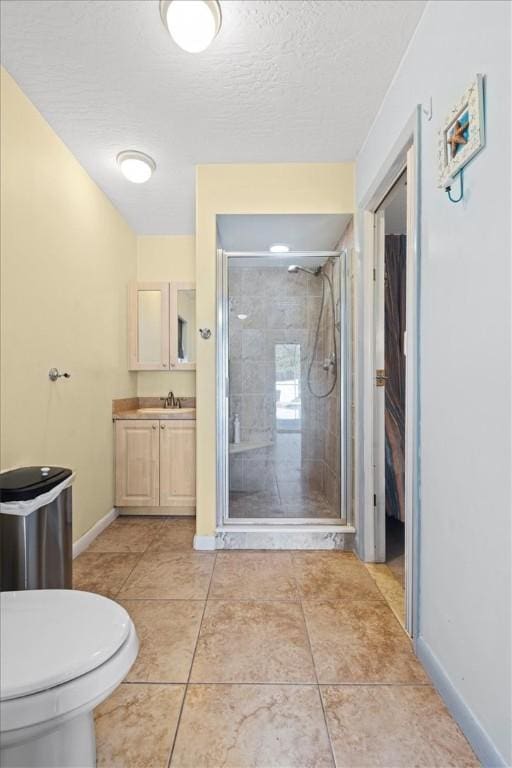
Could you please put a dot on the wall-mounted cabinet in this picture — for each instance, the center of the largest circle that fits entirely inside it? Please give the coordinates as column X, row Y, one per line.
column 162, row 326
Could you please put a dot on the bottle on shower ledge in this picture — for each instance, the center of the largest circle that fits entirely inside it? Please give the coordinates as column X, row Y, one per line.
column 236, row 428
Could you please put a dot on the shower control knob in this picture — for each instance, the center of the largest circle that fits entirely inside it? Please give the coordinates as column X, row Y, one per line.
column 205, row 333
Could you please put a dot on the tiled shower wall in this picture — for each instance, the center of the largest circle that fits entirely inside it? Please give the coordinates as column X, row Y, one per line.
column 292, row 476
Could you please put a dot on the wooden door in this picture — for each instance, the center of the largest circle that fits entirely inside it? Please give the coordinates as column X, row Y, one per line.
column 137, row 466
column 178, row 463
column 379, row 402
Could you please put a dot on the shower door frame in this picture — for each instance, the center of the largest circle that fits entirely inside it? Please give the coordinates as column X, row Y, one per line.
column 222, row 397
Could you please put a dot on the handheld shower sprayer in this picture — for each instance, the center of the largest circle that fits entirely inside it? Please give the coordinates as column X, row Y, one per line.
column 332, row 361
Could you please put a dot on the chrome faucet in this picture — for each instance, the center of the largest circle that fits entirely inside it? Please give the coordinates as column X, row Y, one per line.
column 171, row 401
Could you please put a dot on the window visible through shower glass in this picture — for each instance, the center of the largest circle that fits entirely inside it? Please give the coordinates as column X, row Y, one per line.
column 288, row 405
column 286, row 464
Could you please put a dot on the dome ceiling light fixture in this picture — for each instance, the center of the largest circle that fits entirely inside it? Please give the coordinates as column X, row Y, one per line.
column 136, row 166
column 192, row 24
column 279, row 248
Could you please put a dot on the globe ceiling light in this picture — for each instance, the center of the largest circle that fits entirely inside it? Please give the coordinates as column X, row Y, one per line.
column 192, row 24
column 136, row 166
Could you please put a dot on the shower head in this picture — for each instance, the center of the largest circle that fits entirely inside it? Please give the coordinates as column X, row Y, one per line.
column 294, row 268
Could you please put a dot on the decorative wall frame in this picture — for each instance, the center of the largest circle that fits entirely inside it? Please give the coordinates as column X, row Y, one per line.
column 463, row 133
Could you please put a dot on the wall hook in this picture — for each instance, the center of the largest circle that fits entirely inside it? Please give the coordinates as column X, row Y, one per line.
column 53, row 374
column 448, row 191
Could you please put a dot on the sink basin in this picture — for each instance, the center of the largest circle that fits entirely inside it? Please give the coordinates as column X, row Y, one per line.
column 158, row 411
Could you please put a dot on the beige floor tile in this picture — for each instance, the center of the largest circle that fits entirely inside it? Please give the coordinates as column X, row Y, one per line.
column 167, row 631
column 174, row 535
column 252, row 642
column 360, row 642
column 393, row 726
column 252, row 726
column 397, row 567
column 135, row 726
column 172, row 575
column 127, row 534
column 253, row 576
column 333, row 576
column 101, row 572
column 390, row 587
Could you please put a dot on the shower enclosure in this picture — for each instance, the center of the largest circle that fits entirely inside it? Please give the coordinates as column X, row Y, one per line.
column 283, row 387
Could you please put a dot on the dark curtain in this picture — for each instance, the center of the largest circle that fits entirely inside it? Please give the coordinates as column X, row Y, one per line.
column 395, row 251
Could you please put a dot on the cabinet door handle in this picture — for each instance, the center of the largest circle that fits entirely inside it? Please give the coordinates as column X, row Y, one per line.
column 162, row 426
column 154, row 426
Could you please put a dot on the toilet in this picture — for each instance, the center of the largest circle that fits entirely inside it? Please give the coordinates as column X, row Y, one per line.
column 62, row 653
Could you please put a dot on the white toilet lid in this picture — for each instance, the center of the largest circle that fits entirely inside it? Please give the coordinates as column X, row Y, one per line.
column 51, row 636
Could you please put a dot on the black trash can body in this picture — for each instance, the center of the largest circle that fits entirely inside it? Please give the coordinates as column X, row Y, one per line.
column 36, row 546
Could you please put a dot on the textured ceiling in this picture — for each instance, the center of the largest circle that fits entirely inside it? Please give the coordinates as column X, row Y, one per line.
column 284, row 81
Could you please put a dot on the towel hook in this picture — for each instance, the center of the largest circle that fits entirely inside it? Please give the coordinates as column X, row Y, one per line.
column 53, row 374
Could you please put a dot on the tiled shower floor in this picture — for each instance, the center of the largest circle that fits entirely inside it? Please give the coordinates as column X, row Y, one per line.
column 259, row 660
column 312, row 504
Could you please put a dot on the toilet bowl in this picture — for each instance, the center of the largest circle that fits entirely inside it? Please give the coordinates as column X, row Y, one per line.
column 62, row 652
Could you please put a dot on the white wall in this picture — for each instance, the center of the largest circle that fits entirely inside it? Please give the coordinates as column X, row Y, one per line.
column 465, row 350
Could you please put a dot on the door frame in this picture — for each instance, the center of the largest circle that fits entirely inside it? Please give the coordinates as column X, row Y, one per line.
column 405, row 153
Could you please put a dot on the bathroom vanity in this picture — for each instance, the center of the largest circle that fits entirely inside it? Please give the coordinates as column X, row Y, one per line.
column 155, row 460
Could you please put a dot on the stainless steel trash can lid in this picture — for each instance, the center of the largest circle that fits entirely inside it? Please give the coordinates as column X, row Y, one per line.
column 28, row 482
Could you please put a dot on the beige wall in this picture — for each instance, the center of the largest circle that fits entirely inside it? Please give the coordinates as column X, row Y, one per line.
column 166, row 258
column 67, row 256
column 268, row 188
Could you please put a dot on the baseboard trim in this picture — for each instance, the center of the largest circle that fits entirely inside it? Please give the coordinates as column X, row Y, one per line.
column 81, row 544
column 205, row 543
column 469, row 725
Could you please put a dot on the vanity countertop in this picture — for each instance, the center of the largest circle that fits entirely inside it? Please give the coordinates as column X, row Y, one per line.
column 152, row 408
column 157, row 413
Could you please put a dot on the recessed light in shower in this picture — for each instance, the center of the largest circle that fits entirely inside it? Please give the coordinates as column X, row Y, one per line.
column 242, row 317
column 192, row 24
column 136, row 166
column 279, row 248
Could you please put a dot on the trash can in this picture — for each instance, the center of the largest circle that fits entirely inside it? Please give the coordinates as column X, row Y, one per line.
column 35, row 528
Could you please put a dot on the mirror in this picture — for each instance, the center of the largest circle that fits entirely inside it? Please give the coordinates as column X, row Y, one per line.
column 184, row 343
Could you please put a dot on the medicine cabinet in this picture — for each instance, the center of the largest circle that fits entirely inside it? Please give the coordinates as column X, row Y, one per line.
column 162, row 326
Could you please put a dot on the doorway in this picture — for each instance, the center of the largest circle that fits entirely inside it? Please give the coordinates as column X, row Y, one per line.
column 390, row 376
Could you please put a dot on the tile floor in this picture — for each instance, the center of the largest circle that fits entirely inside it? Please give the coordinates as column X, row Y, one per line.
column 259, row 660
column 390, row 576
column 246, row 504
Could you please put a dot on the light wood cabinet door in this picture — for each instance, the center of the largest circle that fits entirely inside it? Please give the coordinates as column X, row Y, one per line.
column 137, row 465
column 148, row 326
column 177, row 463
